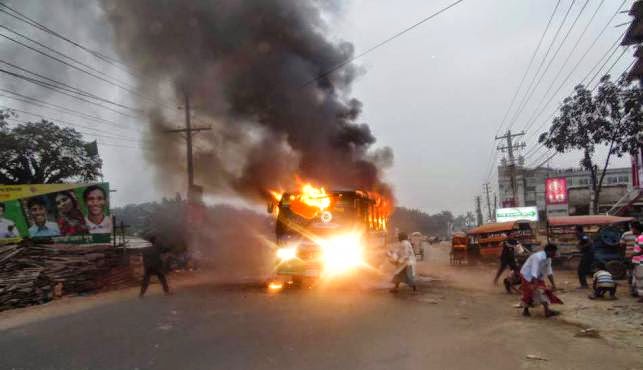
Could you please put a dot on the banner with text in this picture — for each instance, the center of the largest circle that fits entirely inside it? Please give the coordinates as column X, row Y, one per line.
column 515, row 214
column 58, row 213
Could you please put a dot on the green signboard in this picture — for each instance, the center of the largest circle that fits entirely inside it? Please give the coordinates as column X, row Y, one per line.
column 515, row 214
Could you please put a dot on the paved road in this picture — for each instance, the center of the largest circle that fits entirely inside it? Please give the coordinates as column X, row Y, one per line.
column 209, row 326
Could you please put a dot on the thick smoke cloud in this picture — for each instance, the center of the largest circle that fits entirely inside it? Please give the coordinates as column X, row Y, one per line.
column 247, row 67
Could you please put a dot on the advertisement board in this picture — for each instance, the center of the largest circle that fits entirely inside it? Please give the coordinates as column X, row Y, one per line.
column 637, row 170
column 58, row 213
column 515, row 214
column 556, row 190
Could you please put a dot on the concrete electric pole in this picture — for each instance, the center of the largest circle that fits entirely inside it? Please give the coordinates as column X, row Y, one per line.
column 486, row 190
column 478, row 211
column 189, row 130
column 510, row 148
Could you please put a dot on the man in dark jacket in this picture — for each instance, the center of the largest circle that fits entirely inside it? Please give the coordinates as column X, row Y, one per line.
column 587, row 257
column 507, row 258
column 153, row 266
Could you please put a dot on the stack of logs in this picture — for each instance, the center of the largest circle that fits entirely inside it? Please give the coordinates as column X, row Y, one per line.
column 34, row 274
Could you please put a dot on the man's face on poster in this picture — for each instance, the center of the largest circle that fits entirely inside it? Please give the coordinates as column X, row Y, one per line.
column 96, row 202
column 39, row 214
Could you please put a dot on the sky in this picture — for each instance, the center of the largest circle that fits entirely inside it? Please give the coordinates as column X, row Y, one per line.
column 436, row 95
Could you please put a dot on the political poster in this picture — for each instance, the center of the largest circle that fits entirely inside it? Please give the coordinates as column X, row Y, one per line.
column 55, row 213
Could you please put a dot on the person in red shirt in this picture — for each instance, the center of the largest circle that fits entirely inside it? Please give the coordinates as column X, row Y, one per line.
column 70, row 219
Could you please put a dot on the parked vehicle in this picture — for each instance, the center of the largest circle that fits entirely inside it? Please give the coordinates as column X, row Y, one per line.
column 459, row 246
column 605, row 232
column 485, row 242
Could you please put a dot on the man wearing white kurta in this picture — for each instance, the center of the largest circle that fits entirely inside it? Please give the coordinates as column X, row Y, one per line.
column 532, row 275
column 404, row 260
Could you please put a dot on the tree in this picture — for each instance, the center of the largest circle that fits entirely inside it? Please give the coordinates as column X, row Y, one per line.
column 411, row 220
column 585, row 121
column 44, row 153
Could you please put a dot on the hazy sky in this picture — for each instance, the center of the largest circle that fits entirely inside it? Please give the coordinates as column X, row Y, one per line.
column 436, row 95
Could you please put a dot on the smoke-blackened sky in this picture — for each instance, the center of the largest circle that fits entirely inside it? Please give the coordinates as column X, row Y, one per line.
column 250, row 70
column 435, row 95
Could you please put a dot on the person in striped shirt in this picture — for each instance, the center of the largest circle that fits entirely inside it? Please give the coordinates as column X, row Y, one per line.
column 603, row 283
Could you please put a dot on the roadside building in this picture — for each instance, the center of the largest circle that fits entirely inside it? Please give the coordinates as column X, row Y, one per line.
column 634, row 36
column 530, row 188
column 632, row 204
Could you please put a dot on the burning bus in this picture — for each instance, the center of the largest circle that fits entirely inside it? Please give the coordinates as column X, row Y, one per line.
column 325, row 234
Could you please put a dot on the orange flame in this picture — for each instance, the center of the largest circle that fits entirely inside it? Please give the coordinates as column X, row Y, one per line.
column 314, row 197
column 276, row 195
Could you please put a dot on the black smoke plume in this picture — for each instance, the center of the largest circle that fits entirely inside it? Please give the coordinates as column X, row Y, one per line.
column 250, row 68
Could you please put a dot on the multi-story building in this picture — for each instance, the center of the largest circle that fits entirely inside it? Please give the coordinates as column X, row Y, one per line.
column 634, row 36
column 530, row 188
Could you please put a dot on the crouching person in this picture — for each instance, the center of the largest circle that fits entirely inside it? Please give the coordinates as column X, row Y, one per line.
column 534, row 290
column 603, row 283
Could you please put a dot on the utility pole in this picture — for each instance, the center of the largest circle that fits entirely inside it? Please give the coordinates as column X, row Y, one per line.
column 486, row 190
column 478, row 211
column 189, row 131
column 510, row 148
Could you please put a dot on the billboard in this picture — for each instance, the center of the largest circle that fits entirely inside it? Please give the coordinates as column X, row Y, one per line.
column 556, row 190
column 57, row 213
column 515, row 214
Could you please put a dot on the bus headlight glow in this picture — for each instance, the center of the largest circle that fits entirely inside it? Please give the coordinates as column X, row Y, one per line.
column 342, row 253
column 287, row 253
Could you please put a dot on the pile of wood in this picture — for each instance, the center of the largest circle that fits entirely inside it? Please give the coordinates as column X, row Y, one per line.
column 30, row 274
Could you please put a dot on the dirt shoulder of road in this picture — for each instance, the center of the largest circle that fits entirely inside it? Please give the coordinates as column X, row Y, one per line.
column 68, row 305
column 618, row 321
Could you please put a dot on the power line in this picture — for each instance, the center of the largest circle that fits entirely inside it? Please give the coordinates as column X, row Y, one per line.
column 85, row 65
column 562, row 67
column 137, row 147
column 610, row 52
column 531, row 122
column 94, row 75
column 41, row 103
column 108, row 79
column 545, row 161
column 604, row 64
column 551, row 61
column 531, row 61
column 594, row 88
column 81, row 131
column 22, row 17
column 73, row 124
column 62, row 91
column 382, row 43
column 69, row 88
column 522, row 80
column 525, row 98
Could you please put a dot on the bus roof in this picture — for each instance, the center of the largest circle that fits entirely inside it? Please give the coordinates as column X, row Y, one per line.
column 343, row 193
column 495, row 227
column 587, row 220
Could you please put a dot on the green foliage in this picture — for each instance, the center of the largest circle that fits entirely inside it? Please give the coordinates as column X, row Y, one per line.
column 411, row 220
column 44, row 153
column 611, row 117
